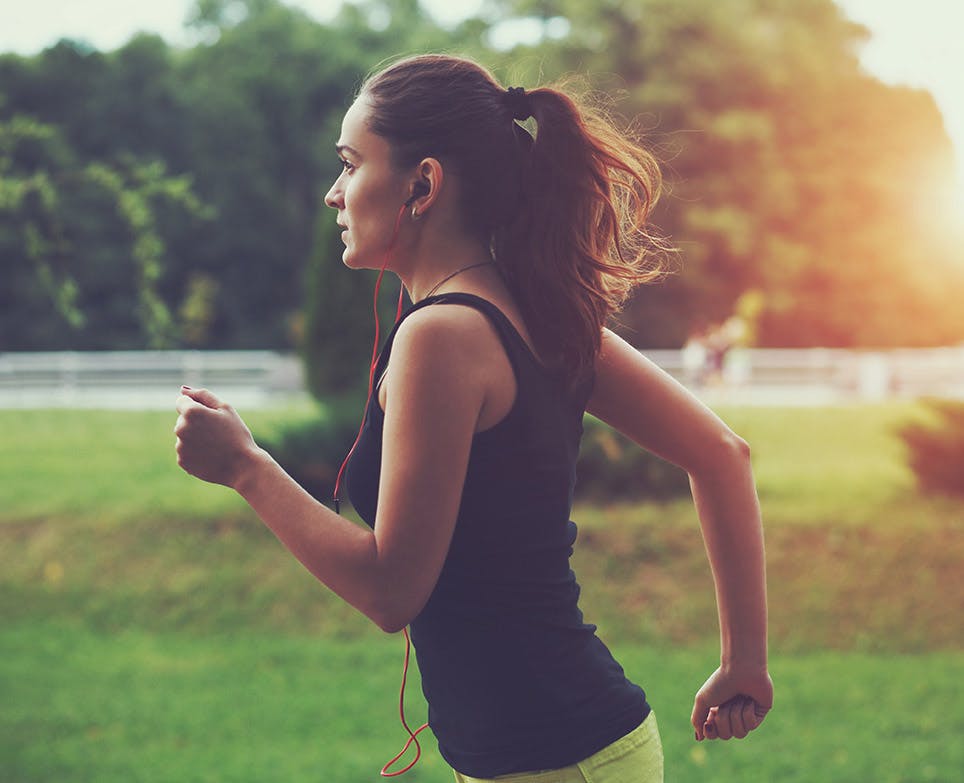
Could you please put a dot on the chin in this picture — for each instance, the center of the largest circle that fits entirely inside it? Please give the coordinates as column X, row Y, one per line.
column 353, row 260
column 349, row 259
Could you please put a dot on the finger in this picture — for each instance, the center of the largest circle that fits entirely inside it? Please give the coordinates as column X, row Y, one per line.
column 737, row 717
column 759, row 712
column 207, row 398
column 182, row 458
column 733, row 723
column 724, row 722
column 701, row 711
column 749, row 715
column 710, row 729
column 184, row 404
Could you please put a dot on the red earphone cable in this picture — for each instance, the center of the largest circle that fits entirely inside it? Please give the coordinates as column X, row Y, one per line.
column 412, row 736
column 374, row 361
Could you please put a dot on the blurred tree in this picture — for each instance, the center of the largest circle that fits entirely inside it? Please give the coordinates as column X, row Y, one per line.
column 259, row 97
column 790, row 170
column 791, row 173
column 80, row 248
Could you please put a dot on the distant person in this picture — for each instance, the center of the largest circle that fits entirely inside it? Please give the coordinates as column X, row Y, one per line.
column 515, row 248
column 694, row 356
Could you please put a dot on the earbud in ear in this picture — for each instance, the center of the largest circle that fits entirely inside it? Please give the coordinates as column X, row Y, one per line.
column 419, row 189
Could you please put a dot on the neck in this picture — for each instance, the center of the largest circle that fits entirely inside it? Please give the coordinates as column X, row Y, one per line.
column 432, row 265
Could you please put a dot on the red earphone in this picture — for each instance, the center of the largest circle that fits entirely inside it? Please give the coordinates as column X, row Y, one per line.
column 420, row 189
column 374, row 361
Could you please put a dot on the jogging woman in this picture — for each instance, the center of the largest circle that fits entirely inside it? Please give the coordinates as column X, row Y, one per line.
column 516, row 222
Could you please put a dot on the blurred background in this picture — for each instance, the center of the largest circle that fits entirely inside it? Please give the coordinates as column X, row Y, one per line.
column 162, row 173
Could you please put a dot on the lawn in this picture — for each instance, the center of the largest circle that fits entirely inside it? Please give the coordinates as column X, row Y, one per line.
column 159, row 707
column 153, row 630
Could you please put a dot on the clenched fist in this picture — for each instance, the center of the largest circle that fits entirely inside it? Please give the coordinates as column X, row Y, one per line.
column 213, row 443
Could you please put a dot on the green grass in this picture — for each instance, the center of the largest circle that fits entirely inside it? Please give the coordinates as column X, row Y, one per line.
column 139, row 706
column 106, row 466
column 153, row 630
column 813, row 466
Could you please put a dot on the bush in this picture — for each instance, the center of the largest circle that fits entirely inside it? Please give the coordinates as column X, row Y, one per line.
column 312, row 450
column 610, row 466
column 935, row 449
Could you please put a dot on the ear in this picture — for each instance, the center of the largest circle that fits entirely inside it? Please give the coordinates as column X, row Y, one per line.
column 426, row 185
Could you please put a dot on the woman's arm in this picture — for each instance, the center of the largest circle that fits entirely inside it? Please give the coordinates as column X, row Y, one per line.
column 637, row 398
column 434, row 395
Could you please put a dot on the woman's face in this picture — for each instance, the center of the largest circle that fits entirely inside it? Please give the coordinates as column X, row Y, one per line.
column 368, row 193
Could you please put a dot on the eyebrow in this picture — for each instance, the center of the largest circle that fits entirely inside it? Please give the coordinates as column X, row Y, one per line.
column 343, row 148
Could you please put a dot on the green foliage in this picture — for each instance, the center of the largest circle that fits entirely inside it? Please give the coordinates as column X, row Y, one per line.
column 311, row 450
column 791, row 173
column 82, row 241
column 612, row 468
column 790, row 170
column 935, row 447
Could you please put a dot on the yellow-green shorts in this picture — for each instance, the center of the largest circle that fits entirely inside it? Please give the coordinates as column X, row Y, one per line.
column 635, row 758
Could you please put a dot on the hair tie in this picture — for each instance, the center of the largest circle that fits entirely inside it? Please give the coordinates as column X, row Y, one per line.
column 518, row 103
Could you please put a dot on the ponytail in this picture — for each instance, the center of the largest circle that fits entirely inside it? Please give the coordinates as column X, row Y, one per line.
column 579, row 245
column 564, row 209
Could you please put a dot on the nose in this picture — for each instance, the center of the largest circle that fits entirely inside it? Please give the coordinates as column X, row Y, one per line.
column 333, row 198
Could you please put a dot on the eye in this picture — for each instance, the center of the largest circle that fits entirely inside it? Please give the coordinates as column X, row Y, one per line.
column 345, row 165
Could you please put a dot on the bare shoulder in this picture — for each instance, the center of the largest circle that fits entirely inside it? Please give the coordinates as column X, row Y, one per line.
column 456, row 351
column 452, row 334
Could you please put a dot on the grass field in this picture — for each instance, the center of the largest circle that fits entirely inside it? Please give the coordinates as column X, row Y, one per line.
column 153, row 631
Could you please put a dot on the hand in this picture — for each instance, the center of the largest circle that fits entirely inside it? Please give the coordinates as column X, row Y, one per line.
column 213, row 443
column 732, row 703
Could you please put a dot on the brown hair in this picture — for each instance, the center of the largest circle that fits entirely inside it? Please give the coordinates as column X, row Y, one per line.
column 564, row 210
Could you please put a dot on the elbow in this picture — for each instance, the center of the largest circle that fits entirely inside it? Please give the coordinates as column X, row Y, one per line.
column 737, row 446
column 391, row 622
column 727, row 450
column 397, row 596
column 391, row 616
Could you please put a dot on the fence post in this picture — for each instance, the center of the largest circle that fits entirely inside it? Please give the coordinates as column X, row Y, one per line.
column 873, row 380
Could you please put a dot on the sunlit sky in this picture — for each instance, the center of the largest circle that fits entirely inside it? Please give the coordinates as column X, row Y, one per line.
column 915, row 43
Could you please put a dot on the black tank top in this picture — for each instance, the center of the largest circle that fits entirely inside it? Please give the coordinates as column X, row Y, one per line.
column 514, row 678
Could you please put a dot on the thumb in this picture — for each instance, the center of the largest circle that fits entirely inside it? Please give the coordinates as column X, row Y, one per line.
column 713, row 693
column 701, row 712
column 206, row 398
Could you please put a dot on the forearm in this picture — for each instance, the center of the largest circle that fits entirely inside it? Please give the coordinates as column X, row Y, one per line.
column 729, row 513
column 340, row 554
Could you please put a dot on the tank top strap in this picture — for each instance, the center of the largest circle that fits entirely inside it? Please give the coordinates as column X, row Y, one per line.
column 518, row 351
column 385, row 351
column 524, row 360
column 513, row 342
column 528, row 368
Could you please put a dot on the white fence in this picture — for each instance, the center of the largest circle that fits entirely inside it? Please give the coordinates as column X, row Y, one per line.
column 251, row 379
column 823, row 376
column 145, row 379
